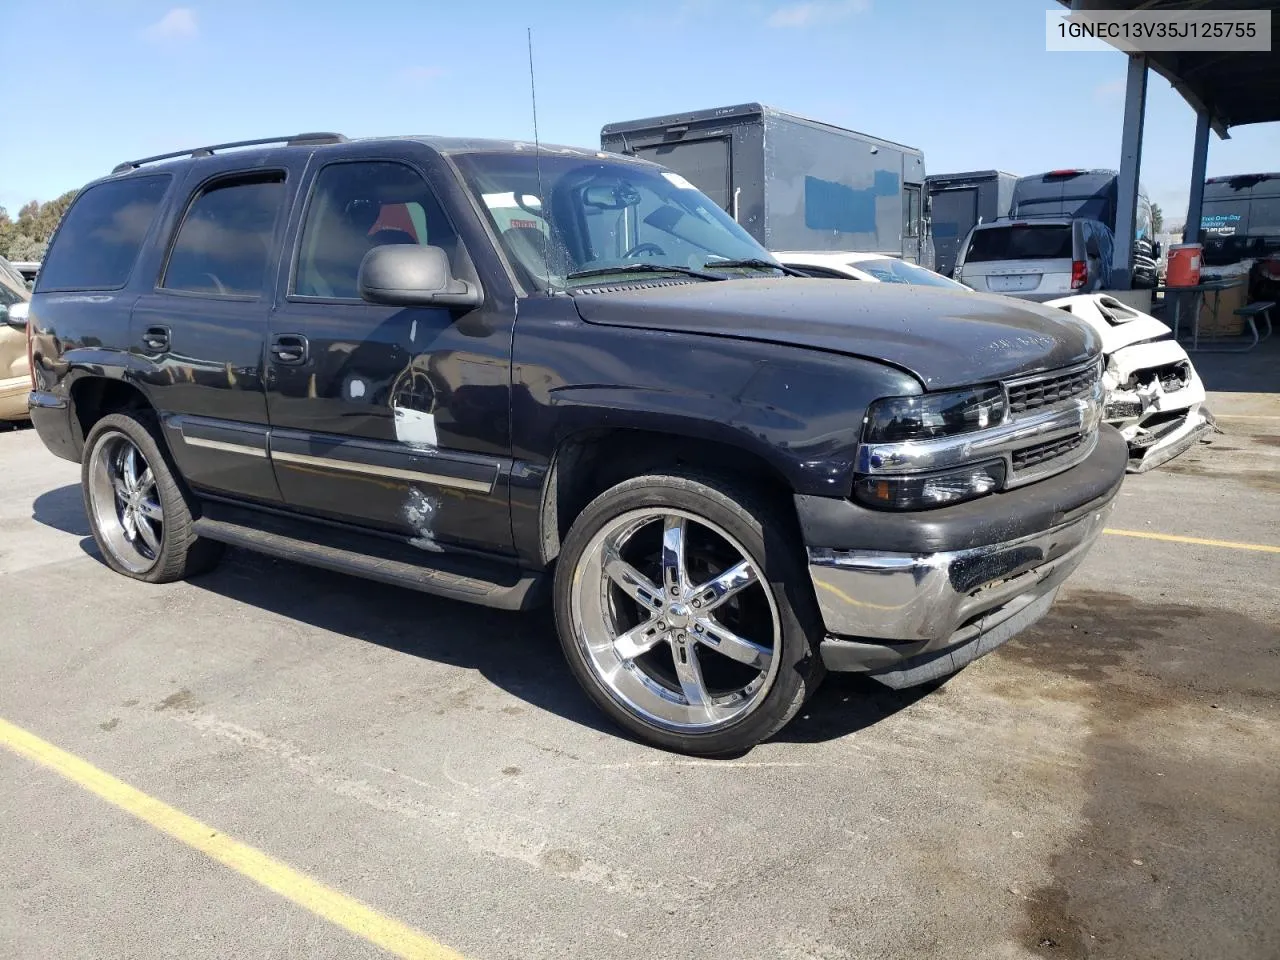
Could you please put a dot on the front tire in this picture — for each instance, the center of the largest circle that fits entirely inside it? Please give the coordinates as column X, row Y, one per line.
column 139, row 512
column 684, row 611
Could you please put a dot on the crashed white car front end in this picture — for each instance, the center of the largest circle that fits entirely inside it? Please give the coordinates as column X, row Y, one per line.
column 1153, row 395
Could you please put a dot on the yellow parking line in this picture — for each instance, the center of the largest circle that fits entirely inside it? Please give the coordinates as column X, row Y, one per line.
column 1172, row 538
column 339, row 909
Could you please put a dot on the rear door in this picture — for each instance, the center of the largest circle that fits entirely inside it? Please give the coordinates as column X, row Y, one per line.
column 391, row 418
column 199, row 333
column 704, row 162
column 1020, row 259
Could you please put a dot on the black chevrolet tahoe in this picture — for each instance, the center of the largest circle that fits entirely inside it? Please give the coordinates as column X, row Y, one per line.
column 505, row 374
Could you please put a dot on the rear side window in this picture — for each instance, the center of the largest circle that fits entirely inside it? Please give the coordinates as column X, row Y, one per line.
column 1020, row 243
column 100, row 237
column 224, row 244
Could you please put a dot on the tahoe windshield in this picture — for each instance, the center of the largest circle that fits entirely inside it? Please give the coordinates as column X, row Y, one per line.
column 585, row 216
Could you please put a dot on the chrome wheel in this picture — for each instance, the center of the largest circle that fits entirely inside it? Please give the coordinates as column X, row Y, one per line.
column 675, row 620
column 126, row 503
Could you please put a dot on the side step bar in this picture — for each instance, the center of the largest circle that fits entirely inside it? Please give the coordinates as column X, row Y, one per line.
column 459, row 578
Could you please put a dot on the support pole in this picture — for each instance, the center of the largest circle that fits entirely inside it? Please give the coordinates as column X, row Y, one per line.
column 1135, row 108
column 1199, row 159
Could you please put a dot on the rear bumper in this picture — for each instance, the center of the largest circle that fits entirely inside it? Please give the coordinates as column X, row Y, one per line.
column 907, row 614
column 51, row 416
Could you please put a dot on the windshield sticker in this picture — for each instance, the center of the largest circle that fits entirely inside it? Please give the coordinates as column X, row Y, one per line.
column 678, row 181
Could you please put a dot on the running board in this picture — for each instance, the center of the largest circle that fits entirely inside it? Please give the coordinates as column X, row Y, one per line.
column 490, row 584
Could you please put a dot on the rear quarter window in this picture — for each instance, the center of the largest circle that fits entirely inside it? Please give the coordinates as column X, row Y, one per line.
column 1020, row 243
column 101, row 235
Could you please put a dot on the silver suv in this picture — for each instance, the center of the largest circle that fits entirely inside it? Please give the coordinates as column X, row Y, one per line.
column 1037, row 259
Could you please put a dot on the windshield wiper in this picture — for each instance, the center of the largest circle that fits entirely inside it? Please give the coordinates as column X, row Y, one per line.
column 644, row 268
column 755, row 262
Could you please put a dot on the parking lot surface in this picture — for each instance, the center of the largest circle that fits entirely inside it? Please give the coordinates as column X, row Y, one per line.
column 1107, row 785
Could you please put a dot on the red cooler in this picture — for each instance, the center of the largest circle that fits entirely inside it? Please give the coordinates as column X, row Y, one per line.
column 1184, row 265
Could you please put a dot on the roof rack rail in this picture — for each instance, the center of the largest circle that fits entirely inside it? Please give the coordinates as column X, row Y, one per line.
column 296, row 140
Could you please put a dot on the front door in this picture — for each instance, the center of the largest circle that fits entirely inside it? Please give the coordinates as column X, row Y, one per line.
column 393, row 418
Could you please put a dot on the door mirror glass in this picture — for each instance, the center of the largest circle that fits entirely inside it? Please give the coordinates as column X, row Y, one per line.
column 1155, row 250
column 410, row 275
column 14, row 315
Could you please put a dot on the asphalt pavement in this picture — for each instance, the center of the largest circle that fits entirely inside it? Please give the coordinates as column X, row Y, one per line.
column 1107, row 785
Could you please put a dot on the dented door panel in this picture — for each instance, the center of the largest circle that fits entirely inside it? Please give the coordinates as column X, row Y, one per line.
column 394, row 418
column 397, row 420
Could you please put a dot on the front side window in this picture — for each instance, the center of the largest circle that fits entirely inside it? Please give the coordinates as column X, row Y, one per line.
column 594, row 215
column 223, row 247
column 356, row 206
column 101, row 235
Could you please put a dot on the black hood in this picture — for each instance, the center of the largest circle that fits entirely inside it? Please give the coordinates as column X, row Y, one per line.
column 946, row 338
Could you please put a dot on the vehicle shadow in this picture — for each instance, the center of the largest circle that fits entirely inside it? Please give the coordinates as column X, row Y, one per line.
column 63, row 509
column 845, row 704
column 517, row 652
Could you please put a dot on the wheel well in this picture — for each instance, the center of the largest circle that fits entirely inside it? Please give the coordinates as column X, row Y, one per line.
column 92, row 398
column 587, row 465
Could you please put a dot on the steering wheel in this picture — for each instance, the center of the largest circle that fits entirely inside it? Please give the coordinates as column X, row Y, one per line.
column 218, row 284
column 640, row 248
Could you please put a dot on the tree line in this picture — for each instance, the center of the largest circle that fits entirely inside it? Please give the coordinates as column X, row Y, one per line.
column 27, row 237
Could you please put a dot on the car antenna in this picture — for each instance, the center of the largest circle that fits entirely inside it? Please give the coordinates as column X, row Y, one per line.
column 537, row 161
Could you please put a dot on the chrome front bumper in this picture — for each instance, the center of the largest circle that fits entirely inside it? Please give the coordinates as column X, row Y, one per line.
column 884, row 610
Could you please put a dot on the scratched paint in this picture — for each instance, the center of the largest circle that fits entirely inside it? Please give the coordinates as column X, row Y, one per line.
column 420, row 511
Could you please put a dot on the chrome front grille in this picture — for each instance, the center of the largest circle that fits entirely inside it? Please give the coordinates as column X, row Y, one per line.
column 1032, row 394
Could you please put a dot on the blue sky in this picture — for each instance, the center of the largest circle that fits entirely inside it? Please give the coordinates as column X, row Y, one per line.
column 970, row 83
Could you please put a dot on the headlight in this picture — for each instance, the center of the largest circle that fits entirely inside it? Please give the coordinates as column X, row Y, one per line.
column 930, row 415
column 921, row 491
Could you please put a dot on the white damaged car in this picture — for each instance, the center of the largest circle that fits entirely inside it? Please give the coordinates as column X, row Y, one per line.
column 1154, row 396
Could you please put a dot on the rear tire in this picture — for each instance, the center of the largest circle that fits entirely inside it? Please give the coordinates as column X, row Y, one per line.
column 685, row 612
column 139, row 511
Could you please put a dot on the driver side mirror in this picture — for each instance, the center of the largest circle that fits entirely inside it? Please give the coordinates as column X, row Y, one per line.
column 15, row 316
column 407, row 275
column 1155, row 250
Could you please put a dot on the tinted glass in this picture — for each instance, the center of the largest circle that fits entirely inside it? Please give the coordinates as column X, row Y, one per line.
column 101, row 235
column 355, row 207
column 224, row 242
column 1020, row 243
column 585, row 214
column 892, row 270
column 705, row 163
column 1225, row 218
column 1078, row 208
column 954, row 212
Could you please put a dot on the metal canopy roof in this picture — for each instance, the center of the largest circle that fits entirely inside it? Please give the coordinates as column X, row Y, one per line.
column 1234, row 88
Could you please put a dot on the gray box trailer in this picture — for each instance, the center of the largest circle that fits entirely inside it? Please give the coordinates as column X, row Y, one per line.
column 793, row 183
column 958, row 201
